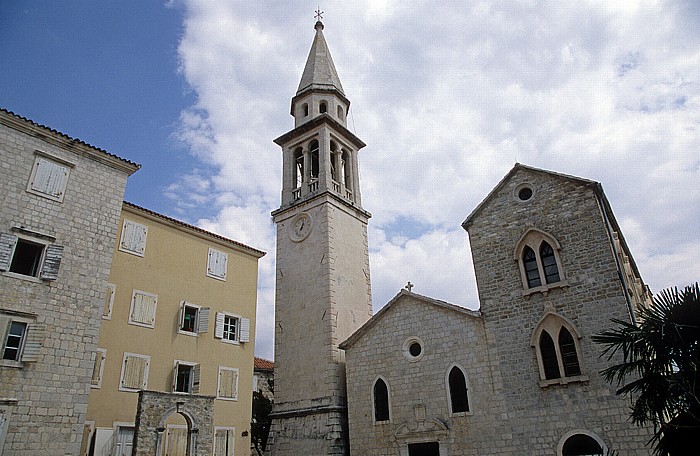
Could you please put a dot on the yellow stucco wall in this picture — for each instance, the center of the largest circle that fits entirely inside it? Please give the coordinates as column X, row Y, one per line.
column 174, row 268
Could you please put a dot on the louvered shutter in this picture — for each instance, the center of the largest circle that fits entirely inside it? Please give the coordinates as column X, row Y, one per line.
column 223, row 442
column 144, row 308
column 217, row 264
column 181, row 315
column 245, row 330
column 49, row 178
column 33, row 342
column 203, row 323
column 134, row 372
column 52, row 261
column 225, row 377
column 109, row 300
column 219, row 330
column 133, row 237
column 99, row 359
column 7, row 245
column 195, row 379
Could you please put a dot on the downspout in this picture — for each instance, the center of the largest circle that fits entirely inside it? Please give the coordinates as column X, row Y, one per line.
column 620, row 272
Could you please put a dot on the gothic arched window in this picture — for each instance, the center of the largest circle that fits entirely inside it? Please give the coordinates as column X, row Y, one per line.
column 556, row 343
column 381, row 401
column 298, row 167
column 537, row 254
column 458, row 390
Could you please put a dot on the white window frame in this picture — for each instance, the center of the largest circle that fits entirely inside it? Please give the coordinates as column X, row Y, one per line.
column 49, row 260
column 235, row 389
column 127, row 243
column 201, row 324
column 132, row 321
column 232, row 432
column 62, row 169
column 194, row 386
column 6, row 406
column 144, row 382
column 242, row 328
column 100, row 368
column 110, row 291
column 214, row 269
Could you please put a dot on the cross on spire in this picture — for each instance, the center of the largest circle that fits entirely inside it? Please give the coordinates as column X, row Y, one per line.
column 319, row 14
column 409, row 286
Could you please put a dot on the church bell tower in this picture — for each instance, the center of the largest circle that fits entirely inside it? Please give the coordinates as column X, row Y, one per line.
column 323, row 289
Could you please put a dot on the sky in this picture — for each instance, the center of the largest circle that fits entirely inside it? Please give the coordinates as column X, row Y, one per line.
column 448, row 96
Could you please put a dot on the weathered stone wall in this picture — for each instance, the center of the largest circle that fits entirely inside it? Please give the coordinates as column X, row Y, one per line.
column 52, row 393
column 153, row 410
column 418, row 393
column 537, row 417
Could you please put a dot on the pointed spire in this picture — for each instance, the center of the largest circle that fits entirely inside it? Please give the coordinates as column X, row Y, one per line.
column 319, row 72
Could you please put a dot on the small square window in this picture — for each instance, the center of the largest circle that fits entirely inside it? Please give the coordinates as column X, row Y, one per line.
column 30, row 256
column 49, row 178
column 21, row 340
column 231, row 328
column 143, row 309
column 134, row 376
column 27, row 258
column 228, row 384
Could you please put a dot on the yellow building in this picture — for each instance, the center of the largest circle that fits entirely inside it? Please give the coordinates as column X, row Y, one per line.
column 179, row 318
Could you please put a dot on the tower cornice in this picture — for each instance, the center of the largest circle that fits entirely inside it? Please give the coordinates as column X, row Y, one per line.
column 316, row 122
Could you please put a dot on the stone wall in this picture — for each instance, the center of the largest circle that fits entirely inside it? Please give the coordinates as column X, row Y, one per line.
column 51, row 393
column 153, row 410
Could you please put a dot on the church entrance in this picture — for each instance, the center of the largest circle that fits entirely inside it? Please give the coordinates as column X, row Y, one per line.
column 424, row 449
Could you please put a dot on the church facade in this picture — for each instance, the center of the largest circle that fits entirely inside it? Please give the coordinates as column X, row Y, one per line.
column 424, row 377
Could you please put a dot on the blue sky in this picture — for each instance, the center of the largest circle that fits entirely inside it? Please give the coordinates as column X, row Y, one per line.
column 447, row 96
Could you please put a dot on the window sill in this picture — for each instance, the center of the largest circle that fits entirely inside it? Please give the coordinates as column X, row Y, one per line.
column 143, row 325
column 384, row 422
column 22, row 277
column 544, row 289
column 222, row 398
column 469, row 413
column 564, row 381
column 187, row 333
column 11, row 363
column 230, row 342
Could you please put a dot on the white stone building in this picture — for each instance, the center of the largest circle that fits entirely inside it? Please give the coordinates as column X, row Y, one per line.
column 61, row 200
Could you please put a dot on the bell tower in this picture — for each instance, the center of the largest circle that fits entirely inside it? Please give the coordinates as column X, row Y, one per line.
column 323, row 291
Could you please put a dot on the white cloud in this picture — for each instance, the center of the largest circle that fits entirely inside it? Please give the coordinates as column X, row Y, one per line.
column 448, row 96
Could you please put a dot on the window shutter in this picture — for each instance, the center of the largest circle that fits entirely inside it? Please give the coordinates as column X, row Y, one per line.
column 4, row 327
column 217, row 264
column 203, row 323
column 144, row 308
column 195, row 379
column 134, row 372
column 174, row 377
column 97, row 369
column 223, row 442
column 52, row 261
column 219, row 330
column 245, row 330
column 33, row 342
column 109, row 300
column 133, row 237
column 181, row 315
column 50, row 177
column 7, row 245
column 225, row 377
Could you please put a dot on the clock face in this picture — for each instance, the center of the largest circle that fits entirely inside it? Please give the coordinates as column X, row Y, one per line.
column 300, row 227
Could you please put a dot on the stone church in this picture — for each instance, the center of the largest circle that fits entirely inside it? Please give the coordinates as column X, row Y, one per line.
column 425, row 377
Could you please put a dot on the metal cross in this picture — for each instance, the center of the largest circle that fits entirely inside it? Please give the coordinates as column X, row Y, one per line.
column 319, row 14
column 409, row 286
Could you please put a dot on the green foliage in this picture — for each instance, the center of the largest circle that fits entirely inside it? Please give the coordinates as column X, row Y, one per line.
column 260, row 427
column 660, row 368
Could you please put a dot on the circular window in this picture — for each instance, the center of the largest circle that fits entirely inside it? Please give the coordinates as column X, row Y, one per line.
column 524, row 192
column 413, row 349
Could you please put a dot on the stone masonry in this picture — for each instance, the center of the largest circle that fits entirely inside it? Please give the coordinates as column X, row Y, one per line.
column 47, row 398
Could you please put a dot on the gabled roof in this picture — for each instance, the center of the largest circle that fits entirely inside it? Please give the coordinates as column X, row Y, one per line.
column 518, row 166
column 193, row 229
column 319, row 72
column 402, row 295
column 64, row 141
column 263, row 364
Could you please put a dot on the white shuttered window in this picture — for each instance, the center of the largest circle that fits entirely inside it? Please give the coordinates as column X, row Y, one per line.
column 143, row 309
column 134, row 376
column 224, row 441
column 217, row 263
column 48, row 178
column 228, row 384
column 133, row 238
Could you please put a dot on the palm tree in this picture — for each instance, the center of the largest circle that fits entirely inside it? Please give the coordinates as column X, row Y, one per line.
column 660, row 368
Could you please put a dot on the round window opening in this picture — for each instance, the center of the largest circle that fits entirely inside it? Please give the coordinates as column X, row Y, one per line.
column 525, row 193
column 413, row 349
